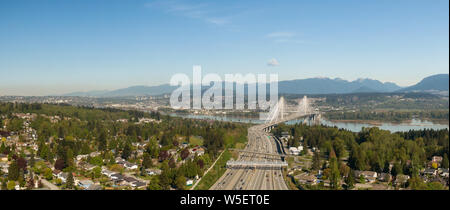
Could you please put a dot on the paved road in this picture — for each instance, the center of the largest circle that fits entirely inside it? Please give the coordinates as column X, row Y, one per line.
column 250, row 178
column 49, row 185
column 198, row 181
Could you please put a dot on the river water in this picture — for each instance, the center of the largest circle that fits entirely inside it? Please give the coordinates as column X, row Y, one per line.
column 414, row 124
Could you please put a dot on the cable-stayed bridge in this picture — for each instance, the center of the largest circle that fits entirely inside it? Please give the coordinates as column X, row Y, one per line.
column 259, row 166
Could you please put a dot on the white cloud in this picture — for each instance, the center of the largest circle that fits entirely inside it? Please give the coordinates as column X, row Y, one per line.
column 273, row 62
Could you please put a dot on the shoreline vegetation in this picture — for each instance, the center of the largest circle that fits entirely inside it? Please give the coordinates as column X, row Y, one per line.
column 380, row 122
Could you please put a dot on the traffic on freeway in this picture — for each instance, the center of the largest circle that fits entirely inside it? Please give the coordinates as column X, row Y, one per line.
column 254, row 178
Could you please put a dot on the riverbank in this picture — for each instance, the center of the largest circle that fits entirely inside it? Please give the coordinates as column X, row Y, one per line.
column 379, row 122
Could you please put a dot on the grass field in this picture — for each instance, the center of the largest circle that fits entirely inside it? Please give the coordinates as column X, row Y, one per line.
column 215, row 173
column 196, row 141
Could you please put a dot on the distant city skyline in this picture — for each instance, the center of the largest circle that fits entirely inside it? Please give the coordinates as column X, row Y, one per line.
column 56, row 47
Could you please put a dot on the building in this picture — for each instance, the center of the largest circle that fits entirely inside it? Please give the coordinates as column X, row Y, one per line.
column 63, row 176
column 444, row 173
column 436, row 159
column 306, row 178
column 285, row 134
column 198, row 151
column 151, row 171
column 294, row 151
column 94, row 187
column 384, row 177
column 430, row 172
column 85, row 184
column 3, row 158
column 4, row 167
column 116, row 177
column 189, row 182
column 369, row 176
column 401, row 179
column 108, row 173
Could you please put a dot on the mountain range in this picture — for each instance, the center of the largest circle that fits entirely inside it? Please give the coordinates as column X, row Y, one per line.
column 435, row 84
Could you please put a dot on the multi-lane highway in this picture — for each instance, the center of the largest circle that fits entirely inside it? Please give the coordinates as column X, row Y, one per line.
column 250, row 178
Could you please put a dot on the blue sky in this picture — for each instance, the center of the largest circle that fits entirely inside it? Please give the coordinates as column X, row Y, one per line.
column 60, row 46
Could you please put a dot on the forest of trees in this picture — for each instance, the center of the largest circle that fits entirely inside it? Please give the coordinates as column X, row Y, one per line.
column 396, row 116
column 83, row 130
column 372, row 148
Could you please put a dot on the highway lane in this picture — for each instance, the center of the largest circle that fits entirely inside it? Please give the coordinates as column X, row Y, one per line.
column 254, row 178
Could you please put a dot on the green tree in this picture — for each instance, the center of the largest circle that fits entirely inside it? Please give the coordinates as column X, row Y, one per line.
column 126, row 151
column 147, row 161
column 349, row 180
column 48, row 174
column 154, row 184
column 11, row 185
column 435, row 186
column 70, row 181
column 96, row 172
column 13, row 171
column 334, row 174
column 30, row 183
column 445, row 161
column 21, row 178
column 397, row 169
column 180, row 182
column 102, row 141
column 4, row 186
column 362, row 180
column 316, row 161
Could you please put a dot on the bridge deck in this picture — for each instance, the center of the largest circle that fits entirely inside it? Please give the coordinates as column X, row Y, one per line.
column 256, row 164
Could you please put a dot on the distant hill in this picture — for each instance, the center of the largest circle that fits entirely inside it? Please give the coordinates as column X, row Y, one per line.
column 129, row 91
column 435, row 83
column 89, row 93
column 327, row 85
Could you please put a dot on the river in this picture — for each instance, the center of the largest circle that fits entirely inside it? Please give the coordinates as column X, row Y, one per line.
column 414, row 124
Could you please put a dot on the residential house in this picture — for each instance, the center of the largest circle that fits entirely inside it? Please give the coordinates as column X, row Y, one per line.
column 151, row 171
column 294, row 151
column 94, row 154
column 198, row 151
column 4, row 167
column 384, row 177
column 369, row 176
column 430, row 172
column 444, row 172
column 87, row 166
column 285, row 135
column 306, row 178
column 189, row 182
column 436, row 159
column 85, row 184
column 130, row 166
column 116, row 177
column 401, row 179
column 108, row 173
column 184, row 145
column 63, row 176
column 79, row 157
column 139, row 184
column 3, row 158
column 172, row 152
column 95, row 187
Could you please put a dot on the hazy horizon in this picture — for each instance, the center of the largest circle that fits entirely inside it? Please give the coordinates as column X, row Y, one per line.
column 52, row 92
